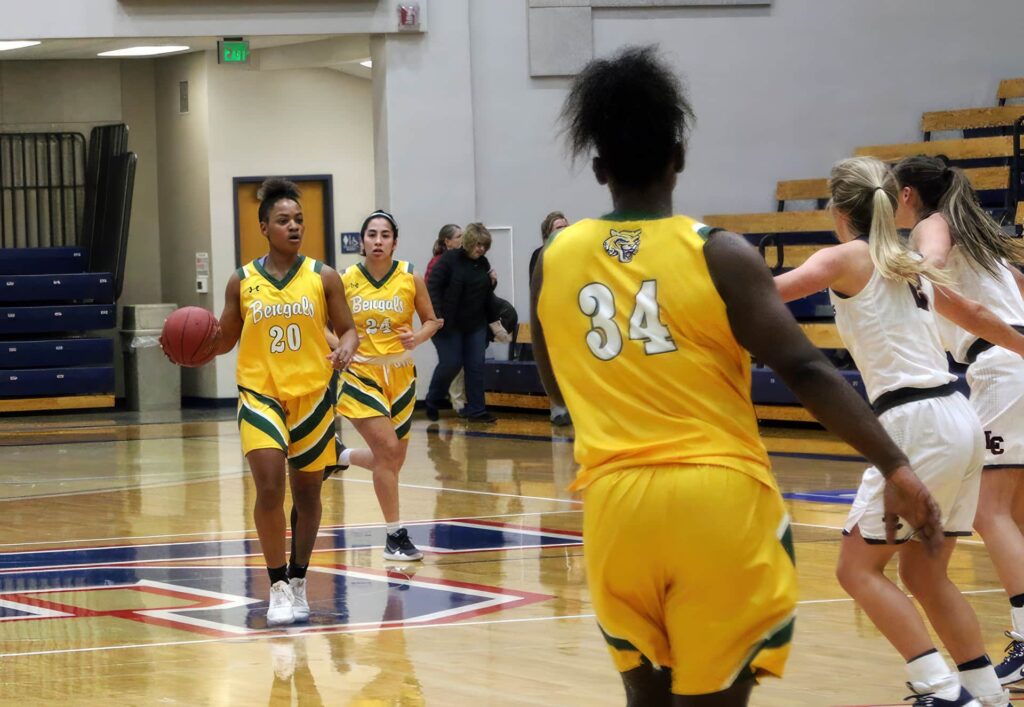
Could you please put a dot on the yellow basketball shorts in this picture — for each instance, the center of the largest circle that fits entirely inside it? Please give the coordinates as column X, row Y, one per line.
column 691, row 568
column 303, row 428
column 372, row 390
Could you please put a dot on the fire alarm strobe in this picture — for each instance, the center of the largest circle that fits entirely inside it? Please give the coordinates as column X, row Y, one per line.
column 408, row 15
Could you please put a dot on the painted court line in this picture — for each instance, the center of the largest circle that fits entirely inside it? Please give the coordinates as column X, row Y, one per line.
column 479, row 493
column 215, row 533
column 293, row 632
column 160, row 484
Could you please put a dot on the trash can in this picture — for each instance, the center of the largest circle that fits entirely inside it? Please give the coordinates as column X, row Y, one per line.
column 151, row 382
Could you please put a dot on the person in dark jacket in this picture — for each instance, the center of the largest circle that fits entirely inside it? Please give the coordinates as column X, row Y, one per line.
column 552, row 223
column 461, row 288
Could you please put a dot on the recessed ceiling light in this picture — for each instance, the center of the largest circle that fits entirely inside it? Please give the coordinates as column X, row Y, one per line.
column 145, row 51
column 368, row 64
column 5, row 46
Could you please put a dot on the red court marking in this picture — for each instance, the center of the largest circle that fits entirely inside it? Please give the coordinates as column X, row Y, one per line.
column 78, row 612
column 513, row 526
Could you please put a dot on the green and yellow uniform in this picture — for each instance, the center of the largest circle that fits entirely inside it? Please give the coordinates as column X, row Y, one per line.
column 686, row 538
column 381, row 381
column 285, row 382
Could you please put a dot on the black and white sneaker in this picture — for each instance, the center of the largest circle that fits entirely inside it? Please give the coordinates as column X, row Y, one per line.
column 930, row 699
column 1011, row 670
column 399, row 547
column 339, row 447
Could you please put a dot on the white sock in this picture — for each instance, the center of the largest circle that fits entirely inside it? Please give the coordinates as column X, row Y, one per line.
column 393, row 527
column 1017, row 616
column 981, row 682
column 931, row 671
column 345, row 458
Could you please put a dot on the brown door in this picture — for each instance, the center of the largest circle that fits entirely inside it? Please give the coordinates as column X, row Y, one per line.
column 316, row 210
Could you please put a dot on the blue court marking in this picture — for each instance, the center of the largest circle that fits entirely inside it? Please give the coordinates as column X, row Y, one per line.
column 841, row 496
column 218, row 600
column 441, row 537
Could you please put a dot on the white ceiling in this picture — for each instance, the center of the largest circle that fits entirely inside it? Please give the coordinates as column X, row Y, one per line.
column 339, row 52
column 89, row 48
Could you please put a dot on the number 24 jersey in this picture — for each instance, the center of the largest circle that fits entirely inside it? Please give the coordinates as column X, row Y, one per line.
column 643, row 352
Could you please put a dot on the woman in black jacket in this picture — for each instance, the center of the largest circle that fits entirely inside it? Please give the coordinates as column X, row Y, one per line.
column 460, row 287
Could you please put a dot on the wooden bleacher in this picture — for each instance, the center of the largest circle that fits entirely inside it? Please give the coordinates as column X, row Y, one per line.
column 774, row 222
column 981, row 178
column 977, row 148
column 970, row 118
column 1010, row 88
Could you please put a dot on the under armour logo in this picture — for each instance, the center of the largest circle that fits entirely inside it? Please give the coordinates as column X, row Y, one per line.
column 255, row 288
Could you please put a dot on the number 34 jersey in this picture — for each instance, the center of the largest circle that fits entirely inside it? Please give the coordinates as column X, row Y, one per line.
column 380, row 308
column 283, row 352
column 643, row 352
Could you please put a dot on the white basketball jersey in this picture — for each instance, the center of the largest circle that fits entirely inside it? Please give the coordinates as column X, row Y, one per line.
column 1000, row 294
column 890, row 331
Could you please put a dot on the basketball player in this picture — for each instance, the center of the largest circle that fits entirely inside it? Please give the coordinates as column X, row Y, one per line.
column 378, row 391
column 883, row 307
column 278, row 306
column 643, row 322
column 953, row 232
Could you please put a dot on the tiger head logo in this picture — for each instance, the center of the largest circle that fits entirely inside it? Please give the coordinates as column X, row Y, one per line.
column 623, row 245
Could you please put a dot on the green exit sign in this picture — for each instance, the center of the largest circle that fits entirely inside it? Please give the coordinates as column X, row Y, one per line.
column 233, row 51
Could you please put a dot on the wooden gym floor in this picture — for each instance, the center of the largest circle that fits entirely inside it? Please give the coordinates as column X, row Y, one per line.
column 129, row 574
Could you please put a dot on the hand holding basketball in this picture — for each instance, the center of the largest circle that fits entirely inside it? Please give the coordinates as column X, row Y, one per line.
column 190, row 336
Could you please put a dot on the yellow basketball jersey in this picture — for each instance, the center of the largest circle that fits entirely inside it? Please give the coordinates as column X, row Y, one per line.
column 380, row 307
column 283, row 351
column 643, row 352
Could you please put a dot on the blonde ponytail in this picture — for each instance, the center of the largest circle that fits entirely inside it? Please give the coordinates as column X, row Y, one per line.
column 865, row 190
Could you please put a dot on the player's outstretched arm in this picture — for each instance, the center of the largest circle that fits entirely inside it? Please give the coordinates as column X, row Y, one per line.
column 340, row 317
column 230, row 327
column 977, row 319
column 540, row 349
column 764, row 326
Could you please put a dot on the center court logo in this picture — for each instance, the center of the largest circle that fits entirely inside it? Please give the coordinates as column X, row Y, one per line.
column 363, row 304
column 623, row 245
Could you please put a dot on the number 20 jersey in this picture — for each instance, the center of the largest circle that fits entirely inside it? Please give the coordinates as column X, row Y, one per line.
column 643, row 352
column 283, row 351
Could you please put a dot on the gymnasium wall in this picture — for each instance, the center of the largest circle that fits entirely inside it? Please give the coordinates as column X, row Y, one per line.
column 779, row 93
column 79, row 95
column 294, row 122
column 183, row 163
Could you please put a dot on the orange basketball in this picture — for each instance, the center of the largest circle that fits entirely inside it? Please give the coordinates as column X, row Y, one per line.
column 187, row 336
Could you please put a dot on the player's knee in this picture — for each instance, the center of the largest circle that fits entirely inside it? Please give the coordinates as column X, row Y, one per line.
column 390, row 455
column 990, row 518
column 849, row 575
column 270, row 497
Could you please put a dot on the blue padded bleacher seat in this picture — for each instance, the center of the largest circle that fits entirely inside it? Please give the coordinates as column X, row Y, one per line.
column 41, row 261
column 515, row 377
column 816, row 306
column 64, row 287
column 60, row 318
column 84, row 380
column 768, row 389
column 57, row 353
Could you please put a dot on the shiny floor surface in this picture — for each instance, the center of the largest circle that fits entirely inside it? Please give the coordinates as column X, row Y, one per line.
column 130, row 574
